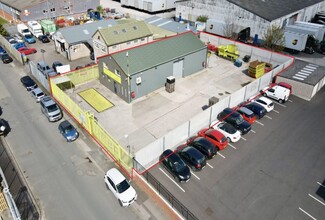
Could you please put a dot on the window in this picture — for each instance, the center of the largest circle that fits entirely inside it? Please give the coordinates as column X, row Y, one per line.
column 104, row 49
column 142, row 39
column 114, row 47
column 115, row 32
column 45, row 11
column 98, row 37
column 117, row 72
column 135, row 27
column 128, row 43
column 136, row 41
column 52, row 9
column 123, row 30
column 96, row 45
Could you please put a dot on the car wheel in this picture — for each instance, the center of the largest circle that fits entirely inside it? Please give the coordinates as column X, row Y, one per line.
column 120, row 202
column 217, row 148
column 107, row 187
column 228, row 140
column 281, row 101
column 264, row 94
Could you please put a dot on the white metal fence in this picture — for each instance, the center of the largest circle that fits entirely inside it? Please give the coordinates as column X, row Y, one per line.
column 39, row 75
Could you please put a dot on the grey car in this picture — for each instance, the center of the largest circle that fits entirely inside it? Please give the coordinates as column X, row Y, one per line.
column 50, row 109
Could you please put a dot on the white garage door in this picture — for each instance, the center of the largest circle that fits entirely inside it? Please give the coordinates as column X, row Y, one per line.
column 178, row 69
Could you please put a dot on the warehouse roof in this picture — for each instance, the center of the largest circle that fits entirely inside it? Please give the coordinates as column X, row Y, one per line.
column 169, row 24
column 158, row 52
column 125, row 32
column 21, row 5
column 273, row 9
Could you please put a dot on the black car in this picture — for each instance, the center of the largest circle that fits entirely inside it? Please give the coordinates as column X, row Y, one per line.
column 258, row 110
column 44, row 38
column 235, row 119
column 56, row 64
column 193, row 157
column 28, row 82
column 175, row 165
column 6, row 58
column 204, row 146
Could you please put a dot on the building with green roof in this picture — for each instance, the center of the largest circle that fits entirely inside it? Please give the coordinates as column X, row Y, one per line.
column 138, row 71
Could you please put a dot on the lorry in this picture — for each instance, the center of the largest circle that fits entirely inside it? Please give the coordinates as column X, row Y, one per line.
column 23, row 29
column 48, row 27
column 35, row 28
column 299, row 42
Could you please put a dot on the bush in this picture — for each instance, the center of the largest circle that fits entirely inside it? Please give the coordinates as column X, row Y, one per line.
column 202, row 18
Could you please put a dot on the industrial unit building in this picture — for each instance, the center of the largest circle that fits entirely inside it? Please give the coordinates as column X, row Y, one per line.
column 150, row 5
column 138, row 71
column 29, row 10
column 256, row 14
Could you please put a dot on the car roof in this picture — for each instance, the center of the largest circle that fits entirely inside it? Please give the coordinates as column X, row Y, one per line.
column 115, row 175
column 47, row 100
column 216, row 133
column 37, row 90
column 193, row 151
column 65, row 124
column 245, row 110
column 254, row 104
column 265, row 99
column 26, row 78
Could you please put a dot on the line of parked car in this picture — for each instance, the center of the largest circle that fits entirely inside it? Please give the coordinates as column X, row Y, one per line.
column 232, row 123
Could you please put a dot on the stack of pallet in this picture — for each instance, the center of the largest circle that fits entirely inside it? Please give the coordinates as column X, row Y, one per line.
column 256, row 69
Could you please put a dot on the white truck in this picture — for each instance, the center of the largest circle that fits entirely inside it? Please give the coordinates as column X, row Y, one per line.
column 35, row 28
column 23, row 29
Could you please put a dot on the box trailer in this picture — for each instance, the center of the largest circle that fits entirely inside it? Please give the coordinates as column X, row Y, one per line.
column 150, row 5
column 304, row 30
column 295, row 41
column 48, row 27
column 319, row 27
column 218, row 27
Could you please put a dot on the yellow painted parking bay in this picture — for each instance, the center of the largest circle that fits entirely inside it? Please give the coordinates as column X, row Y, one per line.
column 96, row 100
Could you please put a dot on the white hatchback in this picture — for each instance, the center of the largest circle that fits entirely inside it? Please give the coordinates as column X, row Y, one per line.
column 265, row 102
column 120, row 187
column 229, row 131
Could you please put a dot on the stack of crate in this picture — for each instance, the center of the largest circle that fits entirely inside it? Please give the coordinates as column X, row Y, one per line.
column 256, row 69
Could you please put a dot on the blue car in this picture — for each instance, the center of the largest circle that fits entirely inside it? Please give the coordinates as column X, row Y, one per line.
column 2, row 51
column 69, row 132
column 29, row 39
column 19, row 45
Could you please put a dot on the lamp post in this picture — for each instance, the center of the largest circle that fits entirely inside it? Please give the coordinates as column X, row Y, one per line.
column 43, row 51
column 128, row 144
column 128, row 75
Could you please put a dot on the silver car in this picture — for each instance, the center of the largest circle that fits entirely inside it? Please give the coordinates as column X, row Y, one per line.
column 37, row 94
column 50, row 109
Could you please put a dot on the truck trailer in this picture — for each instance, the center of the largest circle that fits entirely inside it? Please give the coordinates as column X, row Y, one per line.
column 48, row 27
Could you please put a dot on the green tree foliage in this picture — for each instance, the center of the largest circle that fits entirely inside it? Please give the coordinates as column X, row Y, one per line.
column 202, row 18
column 274, row 38
column 100, row 9
column 3, row 31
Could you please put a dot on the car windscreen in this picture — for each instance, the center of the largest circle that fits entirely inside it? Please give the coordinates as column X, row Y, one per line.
column 230, row 129
column 52, row 108
column 68, row 129
column 40, row 94
column 123, row 186
column 239, row 120
column 179, row 165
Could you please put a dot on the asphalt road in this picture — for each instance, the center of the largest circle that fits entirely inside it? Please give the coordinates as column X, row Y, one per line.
column 277, row 173
column 64, row 182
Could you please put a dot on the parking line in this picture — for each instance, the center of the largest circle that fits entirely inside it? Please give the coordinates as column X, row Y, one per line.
column 280, row 104
column 221, row 155
column 317, row 200
column 232, row 146
column 253, row 131
column 268, row 117
column 320, row 184
column 243, row 138
column 195, row 175
column 276, row 111
column 210, row 165
column 171, row 179
column 290, row 100
column 307, row 213
column 259, row 123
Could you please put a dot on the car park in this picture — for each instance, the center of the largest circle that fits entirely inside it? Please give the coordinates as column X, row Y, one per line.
column 28, row 83
column 27, row 51
column 278, row 93
column 229, row 131
column 50, row 109
column 192, row 157
column 215, row 137
column 235, row 119
column 37, row 94
column 265, row 102
column 6, row 58
column 29, row 39
column 44, row 39
column 120, row 187
column 258, row 110
column 175, row 165
column 247, row 114
column 68, row 131
column 203, row 145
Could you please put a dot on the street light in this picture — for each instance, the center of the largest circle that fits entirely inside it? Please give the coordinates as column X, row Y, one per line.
column 128, row 144
column 43, row 51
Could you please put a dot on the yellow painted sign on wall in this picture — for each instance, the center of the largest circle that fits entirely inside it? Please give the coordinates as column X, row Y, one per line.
column 112, row 75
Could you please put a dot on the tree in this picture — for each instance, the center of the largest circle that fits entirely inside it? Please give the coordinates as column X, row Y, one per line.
column 3, row 31
column 100, row 9
column 228, row 27
column 202, row 18
column 274, row 38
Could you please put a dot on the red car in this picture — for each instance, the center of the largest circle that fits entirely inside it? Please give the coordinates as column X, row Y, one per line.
column 247, row 114
column 27, row 51
column 215, row 137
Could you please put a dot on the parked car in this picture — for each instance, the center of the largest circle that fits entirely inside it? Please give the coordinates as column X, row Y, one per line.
column 235, row 119
column 50, row 109
column 27, row 51
column 215, row 137
column 12, row 41
column 6, row 58
column 120, row 187
column 44, row 38
column 229, row 131
column 56, row 64
column 175, row 165
column 29, row 38
column 286, row 85
column 258, row 110
column 3, row 127
column 45, row 69
column 247, row 114
column 203, row 145
column 18, row 38
column 265, row 102
column 19, row 45
column 192, row 157
column 2, row 51
column 28, row 83
column 68, row 131
column 278, row 93
column 37, row 94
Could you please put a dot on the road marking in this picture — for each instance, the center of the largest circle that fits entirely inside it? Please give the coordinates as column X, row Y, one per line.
column 221, row 155
column 210, row 165
column 171, row 179
column 307, row 213
column 320, row 184
column 232, row 146
column 253, row 131
column 280, row 104
column 243, row 138
column 268, row 117
column 259, row 123
column 290, row 100
column 195, row 175
column 317, row 200
column 276, row 111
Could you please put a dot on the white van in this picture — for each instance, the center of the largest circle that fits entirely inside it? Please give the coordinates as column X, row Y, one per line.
column 278, row 93
column 23, row 29
column 35, row 28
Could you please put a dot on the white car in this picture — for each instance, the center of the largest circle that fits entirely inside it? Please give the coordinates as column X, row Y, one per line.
column 265, row 102
column 38, row 94
column 229, row 131
column 120, row 187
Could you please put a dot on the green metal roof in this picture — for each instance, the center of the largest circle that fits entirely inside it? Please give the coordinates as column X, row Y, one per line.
column 158, row 52
column 159, row 32
column 125, row 32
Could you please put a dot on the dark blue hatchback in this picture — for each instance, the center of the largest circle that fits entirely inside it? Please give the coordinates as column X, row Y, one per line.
column 69, row 132
column 258, row 110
